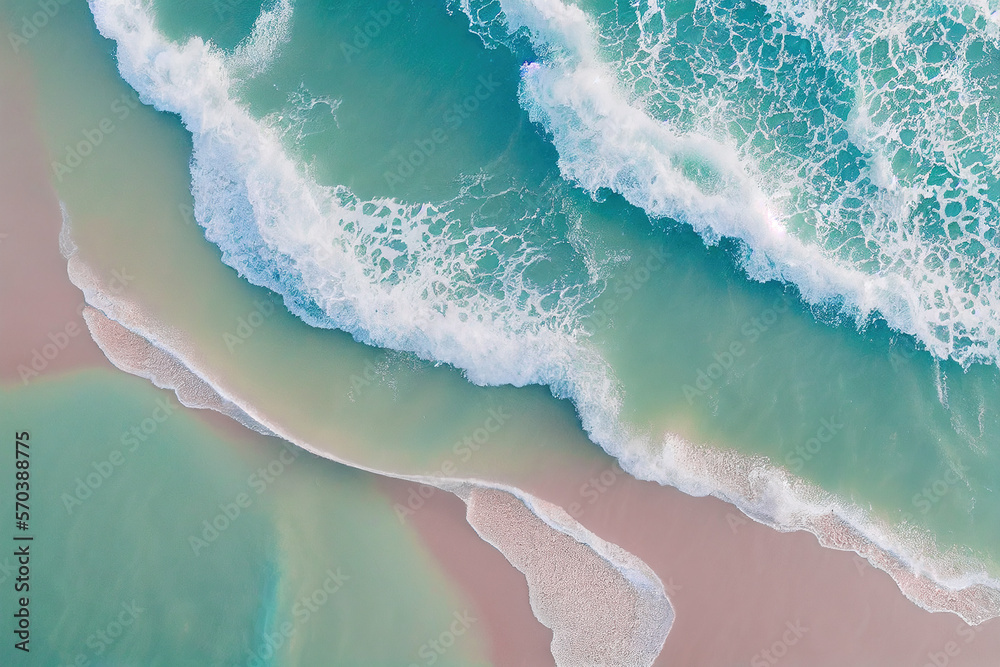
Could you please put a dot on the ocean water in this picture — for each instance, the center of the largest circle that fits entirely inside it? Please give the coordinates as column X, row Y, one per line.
column 748, row 249
column 115, row 576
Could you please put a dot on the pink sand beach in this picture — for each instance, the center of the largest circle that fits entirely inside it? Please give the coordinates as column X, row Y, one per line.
column 41, row 329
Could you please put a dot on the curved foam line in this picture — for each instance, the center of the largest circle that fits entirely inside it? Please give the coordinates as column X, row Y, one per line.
column 136, row 355
column 284, row 231
column 576, row 98
column 598, row 615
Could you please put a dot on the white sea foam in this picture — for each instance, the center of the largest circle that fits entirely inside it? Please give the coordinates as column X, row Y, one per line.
column 388, row 273
column 872, row 250
column 337, row 263
column 134, row 354
column 259, row 50
column 604, row 606
column 606, row 140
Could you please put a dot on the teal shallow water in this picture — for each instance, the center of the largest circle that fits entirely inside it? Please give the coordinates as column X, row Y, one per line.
column 115, row 577
column 460, row 233
column 124, row 542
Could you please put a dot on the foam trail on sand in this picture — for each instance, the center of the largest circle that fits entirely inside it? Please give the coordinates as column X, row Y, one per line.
column 136, row 355
column 605, row 141
column 599, row 613
column 935, row 581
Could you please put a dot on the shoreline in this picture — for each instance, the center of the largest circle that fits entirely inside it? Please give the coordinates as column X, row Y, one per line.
column 134, row 353
column 730, row 576
column 725, row 585
column 499, row 591
column 36, row 286
column 747, row 577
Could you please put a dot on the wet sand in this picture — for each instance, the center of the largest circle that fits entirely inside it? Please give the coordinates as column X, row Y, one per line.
column 499, row 592
column 41, row 328
column 743, row 593
column 38, row 303
column 741, row 589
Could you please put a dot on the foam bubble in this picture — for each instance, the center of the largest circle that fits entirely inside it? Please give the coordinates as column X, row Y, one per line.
column 258, row 51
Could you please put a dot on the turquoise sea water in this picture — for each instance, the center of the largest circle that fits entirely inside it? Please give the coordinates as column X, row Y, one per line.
column 309, row 565
column 769, row 229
